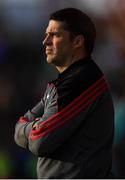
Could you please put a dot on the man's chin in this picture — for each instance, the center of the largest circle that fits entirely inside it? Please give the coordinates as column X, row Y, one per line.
column 49, row 60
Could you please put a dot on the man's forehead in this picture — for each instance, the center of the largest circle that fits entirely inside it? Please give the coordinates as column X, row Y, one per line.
column 54, row 26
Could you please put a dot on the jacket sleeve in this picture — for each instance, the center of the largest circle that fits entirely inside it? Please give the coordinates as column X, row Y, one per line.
column 36, row 111
column 25, row 123
column 57, row 126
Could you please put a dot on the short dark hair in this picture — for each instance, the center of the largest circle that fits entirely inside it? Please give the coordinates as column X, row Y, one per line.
column 78, row 23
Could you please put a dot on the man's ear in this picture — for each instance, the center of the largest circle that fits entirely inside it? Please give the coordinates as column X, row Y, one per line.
column 78, row 41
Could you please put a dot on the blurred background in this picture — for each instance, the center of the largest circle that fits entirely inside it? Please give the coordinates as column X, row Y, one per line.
column 24, row 72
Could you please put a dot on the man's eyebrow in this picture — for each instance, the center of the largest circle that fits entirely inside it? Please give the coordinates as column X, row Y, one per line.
column 52, row 32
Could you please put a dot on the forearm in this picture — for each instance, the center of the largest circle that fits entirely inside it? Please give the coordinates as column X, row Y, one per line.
column 35, row 112
column 21, row 133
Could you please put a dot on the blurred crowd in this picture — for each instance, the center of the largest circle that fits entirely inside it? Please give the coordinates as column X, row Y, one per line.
column 24, row 72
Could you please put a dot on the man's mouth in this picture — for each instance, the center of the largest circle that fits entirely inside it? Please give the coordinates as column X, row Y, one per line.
column 48, row 51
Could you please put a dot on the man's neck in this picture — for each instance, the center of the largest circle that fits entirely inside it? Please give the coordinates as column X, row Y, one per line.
column 71, row 61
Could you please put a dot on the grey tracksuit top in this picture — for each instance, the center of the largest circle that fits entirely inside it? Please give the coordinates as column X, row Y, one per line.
column 74, row 125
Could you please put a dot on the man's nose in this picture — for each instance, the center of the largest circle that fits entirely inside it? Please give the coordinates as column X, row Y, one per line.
column 47, row 40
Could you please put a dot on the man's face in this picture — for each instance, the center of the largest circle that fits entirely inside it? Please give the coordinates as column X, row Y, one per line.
column 58, row 44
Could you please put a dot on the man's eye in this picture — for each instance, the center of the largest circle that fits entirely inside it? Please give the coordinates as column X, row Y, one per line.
column 53, row 34
column 57, row 34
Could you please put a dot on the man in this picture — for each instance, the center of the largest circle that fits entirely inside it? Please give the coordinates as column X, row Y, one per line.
column 71, row 129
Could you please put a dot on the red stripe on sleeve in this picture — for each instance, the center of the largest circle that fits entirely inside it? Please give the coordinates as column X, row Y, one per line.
column 62, row 122
column 88, row 97
column 75, row 101
column 67, row 113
